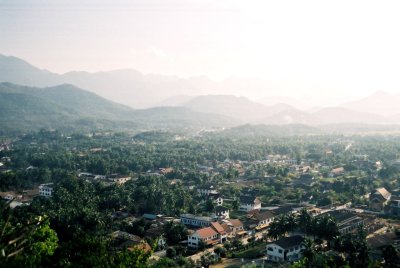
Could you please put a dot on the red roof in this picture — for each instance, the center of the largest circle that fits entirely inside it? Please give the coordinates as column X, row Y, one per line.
column 226, row 227
column 206, row 232
column 218, row 228
column 236, row 223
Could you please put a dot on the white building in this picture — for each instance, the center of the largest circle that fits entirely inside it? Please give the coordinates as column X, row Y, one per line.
column 46, row 189
column 120, row 180
column 286, row 249
column 222, row 212
column 248, row 203
column 207, row 190
column 217, row 199
column 200, row 221
column 215, row 234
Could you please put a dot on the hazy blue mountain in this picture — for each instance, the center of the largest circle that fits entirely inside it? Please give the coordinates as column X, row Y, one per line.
column 25, row 108
column 18, row 71
column 248, row 111
column 240, row 108
column 174, row 101
column 292, row 116
column 69, row 97
column 336, row 115
column 132, row 88
column 126, row 86
column 380, row 102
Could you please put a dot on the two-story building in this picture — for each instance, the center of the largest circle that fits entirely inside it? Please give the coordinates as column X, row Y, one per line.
column 193, row 220
column 378, row 199
column 212, row 235
column 286, row 249
column 233, row 227
column 346, row 221
column 248, row 203
column 262, row 219
column 221, row 212
column 217, row 199
column 46, row 189
column 207, row 190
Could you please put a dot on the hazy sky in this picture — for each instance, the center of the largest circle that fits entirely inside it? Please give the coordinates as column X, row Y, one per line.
column 333, row 49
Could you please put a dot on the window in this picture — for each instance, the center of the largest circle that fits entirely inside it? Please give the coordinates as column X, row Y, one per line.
column 280, row 251
column 270, row 249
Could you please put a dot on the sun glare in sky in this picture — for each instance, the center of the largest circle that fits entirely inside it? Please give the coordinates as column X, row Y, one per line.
column 338, row 49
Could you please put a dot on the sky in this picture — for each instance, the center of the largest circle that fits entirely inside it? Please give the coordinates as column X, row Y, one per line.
column 316, row 49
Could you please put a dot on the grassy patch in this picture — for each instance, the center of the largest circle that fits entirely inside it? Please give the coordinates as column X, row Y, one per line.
column 327, row 179
column 252, row 253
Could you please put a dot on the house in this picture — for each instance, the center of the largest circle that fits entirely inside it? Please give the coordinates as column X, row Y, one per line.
column 236, row 227
column 346, row 221
column 221, row 212
column 8, row 196
column 193, row 220
column 151, row 217
column 212, row 235
column 119, row 179
column 207, row 190
column 156, row 233
column 165, row 171
column 217, row 199
column 393, row 207
column 379, row 242
column 46, row 189
column 378, row 199
column 248, row 203
column 262, row 219
column 233, row 227
column 286, row 249
column 305, row 180
column 123, row 240
column 337, row 172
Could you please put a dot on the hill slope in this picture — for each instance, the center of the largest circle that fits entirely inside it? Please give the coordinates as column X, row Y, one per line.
column 26, row 108
column 126, row 86
column 380, row 102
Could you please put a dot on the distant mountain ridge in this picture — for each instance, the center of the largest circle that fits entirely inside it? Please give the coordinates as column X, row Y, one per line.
column 126, row 86
column 188, row 96
column 380, row 102
column 65, row 106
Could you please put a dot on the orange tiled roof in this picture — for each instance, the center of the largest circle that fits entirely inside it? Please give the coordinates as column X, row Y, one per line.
column 206, row 232
column 226, row 227
column 236, row 223
column 218, row 228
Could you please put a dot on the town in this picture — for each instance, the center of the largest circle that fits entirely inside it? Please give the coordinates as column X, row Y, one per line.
column 210, row 199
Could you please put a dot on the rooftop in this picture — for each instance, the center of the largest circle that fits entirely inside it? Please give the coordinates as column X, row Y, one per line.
column 381, row 193
column 236, row 223
column 246, row 199
column 289, row 242
column 206, row 232
column 194, row 217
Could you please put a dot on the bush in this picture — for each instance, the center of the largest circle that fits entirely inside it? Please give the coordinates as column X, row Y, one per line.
column 171, row 252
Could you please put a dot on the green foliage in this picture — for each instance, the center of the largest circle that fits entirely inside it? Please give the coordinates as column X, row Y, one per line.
column 175, row 232
column 27, row 243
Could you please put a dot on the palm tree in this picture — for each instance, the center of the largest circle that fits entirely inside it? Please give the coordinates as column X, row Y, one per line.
column 303, row 221
column 274, row 230
column 309, row 250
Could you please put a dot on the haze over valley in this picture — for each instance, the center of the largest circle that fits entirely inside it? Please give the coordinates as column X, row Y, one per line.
column 171, row 101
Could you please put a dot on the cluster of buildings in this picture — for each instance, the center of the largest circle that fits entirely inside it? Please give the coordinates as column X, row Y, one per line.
column 110, row 179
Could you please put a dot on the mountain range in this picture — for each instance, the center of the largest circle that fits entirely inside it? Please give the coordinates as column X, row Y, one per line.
column 32, row 98
column 65, row 106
